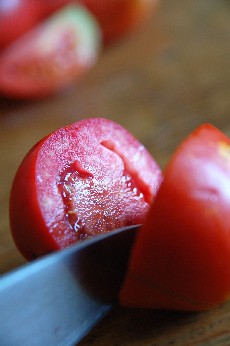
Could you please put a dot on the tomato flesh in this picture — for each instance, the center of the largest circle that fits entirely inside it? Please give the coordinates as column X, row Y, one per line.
column 181, row 258
column 51, row 56
column 83, row 180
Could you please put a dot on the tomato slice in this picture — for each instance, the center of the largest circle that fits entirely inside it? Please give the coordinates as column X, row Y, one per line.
column 82, row 180
column 50, row 56
column 181, row 258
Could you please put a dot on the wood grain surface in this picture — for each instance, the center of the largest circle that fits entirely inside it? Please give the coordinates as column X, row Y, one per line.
column 160, row 83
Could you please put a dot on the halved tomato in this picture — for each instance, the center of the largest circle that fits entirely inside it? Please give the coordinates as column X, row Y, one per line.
column 82, row 180
column 51, row 56
column 181, row 258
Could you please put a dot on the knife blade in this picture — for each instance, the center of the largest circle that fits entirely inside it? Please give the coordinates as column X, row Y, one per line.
column 57, row 299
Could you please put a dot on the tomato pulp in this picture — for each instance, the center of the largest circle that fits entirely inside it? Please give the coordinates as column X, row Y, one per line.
column 82, row 180
column 181, row 257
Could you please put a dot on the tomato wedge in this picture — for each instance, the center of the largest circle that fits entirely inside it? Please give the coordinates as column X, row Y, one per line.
column 82, row 180
column 181, row 258
column 51, row 56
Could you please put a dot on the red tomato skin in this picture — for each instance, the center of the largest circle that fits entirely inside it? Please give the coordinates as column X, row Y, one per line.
column 31, row 67
column 16, row 17
column 181, row 258
column 23, row 200
column 41, row 216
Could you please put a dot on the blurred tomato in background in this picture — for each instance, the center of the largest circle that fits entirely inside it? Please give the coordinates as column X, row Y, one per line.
column 47, row 45
column 51, row 56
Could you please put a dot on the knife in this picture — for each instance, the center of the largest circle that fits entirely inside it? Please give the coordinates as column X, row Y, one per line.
column 58, row 299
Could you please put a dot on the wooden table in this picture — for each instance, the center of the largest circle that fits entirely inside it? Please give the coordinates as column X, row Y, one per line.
column 160, row 83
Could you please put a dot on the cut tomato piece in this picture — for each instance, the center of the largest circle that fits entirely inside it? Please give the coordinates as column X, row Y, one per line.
column 51, row 56
column 181, row 257
column 81, row 181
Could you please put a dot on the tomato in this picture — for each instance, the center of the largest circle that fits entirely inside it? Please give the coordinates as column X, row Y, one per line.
column 181, row 257
column 118, row 17
column 51, row 56
column 82, row 180
column 16, row 17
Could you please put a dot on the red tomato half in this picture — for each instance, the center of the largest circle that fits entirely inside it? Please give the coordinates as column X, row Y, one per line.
column 50, row 56
column 181, row 258
column 16, row 17
column 83, row 180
